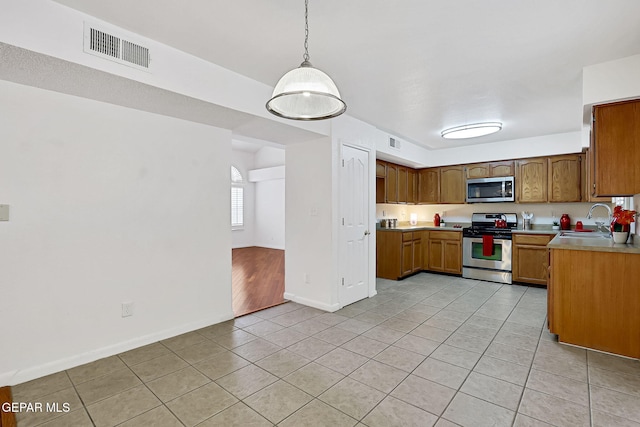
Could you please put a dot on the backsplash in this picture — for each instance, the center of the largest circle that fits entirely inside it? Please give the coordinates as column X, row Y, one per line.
column 543, row 213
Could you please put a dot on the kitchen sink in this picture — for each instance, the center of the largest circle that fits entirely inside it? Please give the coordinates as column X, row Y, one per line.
column 583, row 235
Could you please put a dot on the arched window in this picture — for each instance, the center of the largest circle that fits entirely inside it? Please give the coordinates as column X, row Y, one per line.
column 237, row 199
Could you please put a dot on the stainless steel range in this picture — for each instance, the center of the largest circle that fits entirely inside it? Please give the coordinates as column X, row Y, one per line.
column 486, row 247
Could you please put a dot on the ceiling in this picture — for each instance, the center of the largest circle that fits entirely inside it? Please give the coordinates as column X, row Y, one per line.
column 412, row 67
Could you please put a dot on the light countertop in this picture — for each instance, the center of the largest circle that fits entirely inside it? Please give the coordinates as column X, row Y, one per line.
column 593, row 244
column 458, row 226
column 405, row 226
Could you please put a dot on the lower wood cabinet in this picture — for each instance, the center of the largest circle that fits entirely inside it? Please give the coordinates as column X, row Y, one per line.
column 445, row 252
column 399, row 254
column 593, row 300
column 530, row 261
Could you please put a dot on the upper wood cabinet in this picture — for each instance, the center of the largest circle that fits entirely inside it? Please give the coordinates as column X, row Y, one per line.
column 402, row 184
column 588, row 184
column 452, row 184
column 488, row 170
column 531, row 180
column 391, row 183
column 381, row 175
column 412, row 186
column 538, row 180
column 616, row 148
column 429, row 185
column 395, row 183
column 506, row 168
column 477, row 170
column 565, row 176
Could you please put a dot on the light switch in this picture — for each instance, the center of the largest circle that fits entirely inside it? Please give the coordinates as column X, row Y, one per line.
column 4, row 212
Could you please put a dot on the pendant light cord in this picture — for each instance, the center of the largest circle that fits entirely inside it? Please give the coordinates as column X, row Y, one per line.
column 306, row 31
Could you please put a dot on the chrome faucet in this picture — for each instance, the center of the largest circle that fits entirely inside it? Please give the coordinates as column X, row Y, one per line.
column 600, row 224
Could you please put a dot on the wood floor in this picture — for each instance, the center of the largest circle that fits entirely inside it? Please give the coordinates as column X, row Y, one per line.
column 258, row 279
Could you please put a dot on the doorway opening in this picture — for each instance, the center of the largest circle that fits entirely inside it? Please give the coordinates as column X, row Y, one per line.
column 257, row 223
column 258, row 279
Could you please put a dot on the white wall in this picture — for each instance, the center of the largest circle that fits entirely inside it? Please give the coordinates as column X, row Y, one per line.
column 270, row 201
column 270, row 214
column 242, row 238
column 268, row 157
column 108, row 204
column 608, row 82
column 309, row 238
column 547, row 145
column 350, row 131
column 611, row 81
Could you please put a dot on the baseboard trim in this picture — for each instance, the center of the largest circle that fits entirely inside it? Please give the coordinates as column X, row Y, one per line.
column 312, row 303
column 267, row 246
column 19, row 376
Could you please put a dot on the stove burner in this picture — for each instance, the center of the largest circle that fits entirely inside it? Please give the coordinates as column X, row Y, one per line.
column 484, row 224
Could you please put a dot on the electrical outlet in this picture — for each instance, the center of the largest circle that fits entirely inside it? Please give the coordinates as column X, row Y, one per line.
column 127, row 309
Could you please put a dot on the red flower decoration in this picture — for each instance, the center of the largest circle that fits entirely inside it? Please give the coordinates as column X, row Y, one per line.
column 622, row 218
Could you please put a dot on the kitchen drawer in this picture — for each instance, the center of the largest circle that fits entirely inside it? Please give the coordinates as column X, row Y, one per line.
column 445, row 235
column 407, row 236
column 532, row 239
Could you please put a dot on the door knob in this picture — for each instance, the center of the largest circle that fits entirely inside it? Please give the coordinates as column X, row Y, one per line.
column 366, row 232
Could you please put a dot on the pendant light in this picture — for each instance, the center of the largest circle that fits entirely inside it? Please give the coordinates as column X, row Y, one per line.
column 306, row 93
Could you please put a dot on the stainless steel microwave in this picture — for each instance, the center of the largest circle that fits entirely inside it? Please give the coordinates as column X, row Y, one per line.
column 483, row 190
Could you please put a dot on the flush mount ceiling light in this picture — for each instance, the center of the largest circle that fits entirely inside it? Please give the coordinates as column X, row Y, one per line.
column 306, row 93
column 471, row 131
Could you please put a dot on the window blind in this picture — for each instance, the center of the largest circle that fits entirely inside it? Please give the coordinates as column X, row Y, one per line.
column 237, row 206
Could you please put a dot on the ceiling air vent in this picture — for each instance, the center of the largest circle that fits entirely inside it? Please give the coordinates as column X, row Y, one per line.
column 394, row 143
column 101, row 43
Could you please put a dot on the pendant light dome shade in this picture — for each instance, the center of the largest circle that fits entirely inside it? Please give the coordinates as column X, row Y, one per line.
column 306, row 93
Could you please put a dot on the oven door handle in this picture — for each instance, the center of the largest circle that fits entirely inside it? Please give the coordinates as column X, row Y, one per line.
column 479, row 239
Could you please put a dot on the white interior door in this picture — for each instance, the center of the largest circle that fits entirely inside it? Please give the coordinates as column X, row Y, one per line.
column 354, row 189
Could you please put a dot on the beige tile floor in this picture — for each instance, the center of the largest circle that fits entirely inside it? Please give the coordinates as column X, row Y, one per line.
column 429, row 350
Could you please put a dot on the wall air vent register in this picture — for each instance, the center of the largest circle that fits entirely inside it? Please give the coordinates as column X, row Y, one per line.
column 108, row 46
